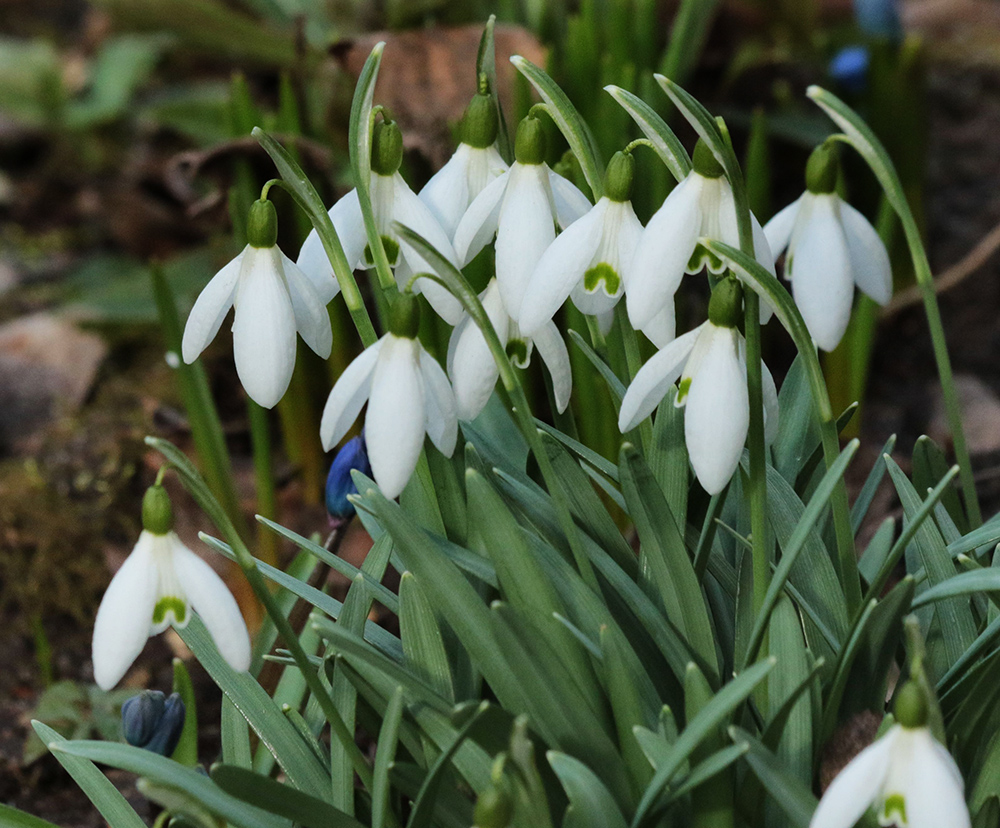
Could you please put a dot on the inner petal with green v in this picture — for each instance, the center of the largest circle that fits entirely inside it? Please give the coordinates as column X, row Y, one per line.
column 602, row 274
column 172, row 605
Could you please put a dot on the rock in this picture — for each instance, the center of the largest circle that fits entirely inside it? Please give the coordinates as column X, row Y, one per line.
column 980, row 416
column 47, row 366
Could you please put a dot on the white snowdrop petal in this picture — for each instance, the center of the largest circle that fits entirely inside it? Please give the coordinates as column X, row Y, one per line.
column 570, row 204
column 313, row 261
column 311, row 317
column 446, row 194
column 605, row 320
column 771, row 411
column 263, row 329
column 209, row 596
column 479, row 224
column 350, row 226
column 653, row 380
column 439, row 399
column 349, row 394
column 411, row 212
column 662, row 328
column 472, row 368
column 396, row 418
column 819, row 267
column 718, row 411
column 122, row 624
column 560, row 269
column 761, row 248
column 525, row 231
column 597, row 303
column 210, row 309
column 870, row 264
column 779, row 229
column 726, row 227
column 552, row 349
column 662, row 253
column 855, row 788
column 933, row 796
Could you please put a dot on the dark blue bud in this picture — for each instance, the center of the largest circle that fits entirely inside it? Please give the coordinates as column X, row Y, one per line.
column 339, row 484
column 849, row 68
column 153, row 721
column 879, row 18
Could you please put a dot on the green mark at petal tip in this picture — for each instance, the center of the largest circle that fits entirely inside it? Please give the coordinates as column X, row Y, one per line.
column 391, row 252
column 173, row 605
column 894, row 809
column 682, row 391
column 602, row 272
column 517, row 351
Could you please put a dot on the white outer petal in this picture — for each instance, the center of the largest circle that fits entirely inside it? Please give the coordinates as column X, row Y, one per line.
column 396, row 418
column 480, row 221
column 208, row 595
column 263, row 329
column 350, row 226
column 311, row 317
column 210, row 309
column 779, row 229
column 771, row 410
column 552, row 349
column 122, row 624
column 660, row 330
column 870, row 264
column 663, row 252
column 934, row 795
column 718, row 411
column 525, row 230
column 447, row 194
column 855, row 788
column 654, row 379
column 570, row 204
column 349, row 394
column 471, row 366
column 819, row 267
column 439, row 400
column 560, row 269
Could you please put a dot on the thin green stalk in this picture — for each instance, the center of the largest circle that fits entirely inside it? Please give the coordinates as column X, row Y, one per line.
column 633, row 362
column 263, row 469
column 756, row 487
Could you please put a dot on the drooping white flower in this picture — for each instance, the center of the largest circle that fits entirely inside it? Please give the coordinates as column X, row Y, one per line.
column 408, row 395
column 392, row 201
column 710, row 362
column 273, row 300
column 907, row 776
column 831, row 248
column 474, row 371
column 159, row 585
column 701, row 205
column 474, row 165
column 522, row 207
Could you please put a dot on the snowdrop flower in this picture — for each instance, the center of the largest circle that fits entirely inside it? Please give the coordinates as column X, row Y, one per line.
column 521, row 207
column 408, row 394
column 831, row 248
column 711, row 364
column 273, row 300
column 475, row 164
column 700, row 205
column 589, row 260
column 159, row 585
column 907, row 775
column 392, row 200
column 474, row 371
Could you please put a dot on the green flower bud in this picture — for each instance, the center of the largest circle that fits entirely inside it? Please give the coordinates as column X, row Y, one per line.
column 481, row 123
column 387, row 148
column 822, row 169
column 530, row 142
column 910, row 706
column 725, row 308
column 262, row 225
column 404, row 316
column 618, row 176
column 494, row 807
column 704, row 161
column 157, row 513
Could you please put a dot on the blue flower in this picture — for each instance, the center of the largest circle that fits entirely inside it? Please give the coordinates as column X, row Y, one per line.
column 339, row 484
column 849, row 67
column 879, row 18
column 153, row 722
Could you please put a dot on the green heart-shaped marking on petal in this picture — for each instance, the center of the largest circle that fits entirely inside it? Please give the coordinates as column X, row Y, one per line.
column 602, row 272
column 391, row 252
column 171, row 604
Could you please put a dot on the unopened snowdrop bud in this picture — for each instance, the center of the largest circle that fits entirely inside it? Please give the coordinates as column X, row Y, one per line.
column 907, row 776
column 831, row 248
column 340, row 483
column 158, row 586
column 408, row 395
column 153, row 721
column 273, row 299
column 494, row 807
column 522, row 207
column 481, row 123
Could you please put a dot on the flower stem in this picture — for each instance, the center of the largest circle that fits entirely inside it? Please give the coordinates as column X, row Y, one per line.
column 757, row 485
column 267, row 501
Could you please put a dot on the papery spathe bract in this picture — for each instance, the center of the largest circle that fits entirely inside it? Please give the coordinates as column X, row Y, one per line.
column 274, row 299
column 521, row 207
column 473, row 369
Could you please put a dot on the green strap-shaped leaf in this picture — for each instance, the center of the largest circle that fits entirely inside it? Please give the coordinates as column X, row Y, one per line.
column 423, row 645
column 486, row 66
column 794, row 797
column 666, row 144
column 591, row 805
column 385, row 752
column 13, row 818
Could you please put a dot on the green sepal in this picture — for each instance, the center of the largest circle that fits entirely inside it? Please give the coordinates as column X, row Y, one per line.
column 530, row 143
column 387, row 148
column 404, row 316
column 157, row 511
column 725, row 308
column 262, row 224
column 619, row 176
column 704, row 161
column 822, row 169
column 481, row 122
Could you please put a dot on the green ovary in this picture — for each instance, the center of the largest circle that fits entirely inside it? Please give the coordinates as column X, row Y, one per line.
column 605, row 273
column 171, row 604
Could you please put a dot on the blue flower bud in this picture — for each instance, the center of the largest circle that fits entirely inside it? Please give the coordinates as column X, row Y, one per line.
column 879, row 18
column 849, row 67
column 339, row 483
column 153, row 721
